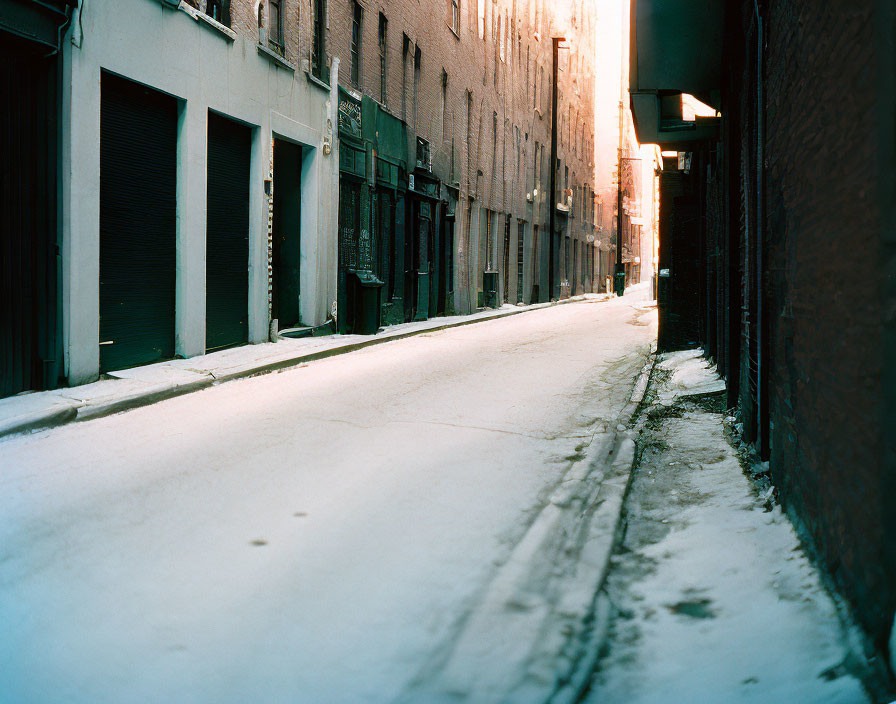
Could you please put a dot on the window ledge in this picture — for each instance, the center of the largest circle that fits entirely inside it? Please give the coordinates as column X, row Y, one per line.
column 316, row 81
column 228, row 33
column 274, row 57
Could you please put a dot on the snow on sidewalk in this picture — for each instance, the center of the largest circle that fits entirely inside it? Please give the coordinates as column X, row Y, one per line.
column 139, row 386
column 715, row 600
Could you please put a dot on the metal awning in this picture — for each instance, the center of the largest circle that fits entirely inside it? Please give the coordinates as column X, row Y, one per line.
column 37, row 22
column 676, row 47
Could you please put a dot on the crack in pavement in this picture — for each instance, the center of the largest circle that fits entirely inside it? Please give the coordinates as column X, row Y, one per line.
column 533, row 436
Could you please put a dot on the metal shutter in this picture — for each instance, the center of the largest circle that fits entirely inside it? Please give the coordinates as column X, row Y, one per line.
column 30, row 354
column 227, row 233
column 138, row 207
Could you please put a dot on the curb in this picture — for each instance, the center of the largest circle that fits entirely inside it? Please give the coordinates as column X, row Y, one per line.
column 66, row 409
column 612, row 492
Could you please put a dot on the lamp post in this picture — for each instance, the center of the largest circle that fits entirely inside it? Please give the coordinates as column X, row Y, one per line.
column 619, row 278
column 555, row 46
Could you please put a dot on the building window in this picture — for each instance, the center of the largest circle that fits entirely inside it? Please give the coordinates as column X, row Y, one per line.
column 418, row 59
column 357, row 16
column 444, row 105
column 215, row 10
column 383, row 33
column 468, row 134
column 275, row 36
column 454, row 16
column 424, row 156
column 500, row 39
column 494, row 144
column 318, row 48
column 405, row 50
column 481, row 12
column 535, row 169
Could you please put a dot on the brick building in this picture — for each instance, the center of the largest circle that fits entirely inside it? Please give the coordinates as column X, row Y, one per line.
column 779, row 244
column 455, row 101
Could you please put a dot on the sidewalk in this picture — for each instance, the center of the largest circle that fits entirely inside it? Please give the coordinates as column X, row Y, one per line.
column 710, row 594
column 141, row 386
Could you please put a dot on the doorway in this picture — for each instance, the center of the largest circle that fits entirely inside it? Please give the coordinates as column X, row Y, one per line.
column 31, row 343
column 520, row 255
column 505, row 261
column 286, row 234
column 227, row 233
column 138, row 212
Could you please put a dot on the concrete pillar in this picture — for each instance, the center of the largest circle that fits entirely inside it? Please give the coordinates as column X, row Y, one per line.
column 80, row 186
column 259, row 161
column 192, row 145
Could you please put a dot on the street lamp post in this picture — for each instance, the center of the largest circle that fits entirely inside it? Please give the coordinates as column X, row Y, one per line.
column 555, row 45
column 619, row 278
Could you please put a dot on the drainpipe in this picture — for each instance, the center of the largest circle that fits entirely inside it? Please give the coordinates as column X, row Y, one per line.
column 619, row 277
column 760, row 187
column 330, row 275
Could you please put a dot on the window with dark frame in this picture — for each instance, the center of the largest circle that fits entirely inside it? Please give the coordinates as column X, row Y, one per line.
column 418, row 60
column 405, row 50
column 454, row 16
column 357, row 17
column 444, row 104
column 318, row 59
column 424, row 155
column 383, row 34
column 215, row 10
column 275, row 35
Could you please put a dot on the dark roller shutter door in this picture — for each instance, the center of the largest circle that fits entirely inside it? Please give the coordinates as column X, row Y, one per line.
column 138, row 203
column 30, row 354
column 227, row 235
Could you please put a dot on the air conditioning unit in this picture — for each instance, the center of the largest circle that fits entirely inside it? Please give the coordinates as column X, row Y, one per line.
column 424, row 155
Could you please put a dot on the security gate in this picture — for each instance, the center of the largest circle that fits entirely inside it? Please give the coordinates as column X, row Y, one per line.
column 227, row 234
column 30, row 346
column 138, row 203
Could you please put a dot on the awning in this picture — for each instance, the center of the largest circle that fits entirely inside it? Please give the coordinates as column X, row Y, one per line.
column 34, row 21
column 676, row 47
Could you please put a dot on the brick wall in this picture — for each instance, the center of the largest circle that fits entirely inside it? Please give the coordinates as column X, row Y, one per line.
column 510, row 102
column 812, row 259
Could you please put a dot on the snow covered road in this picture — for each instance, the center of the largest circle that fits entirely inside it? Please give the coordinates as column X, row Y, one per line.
column 315, row 535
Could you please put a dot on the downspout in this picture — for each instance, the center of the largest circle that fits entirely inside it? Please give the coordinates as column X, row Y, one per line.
column 331, row 141
column 619, row 289
column 760, row 187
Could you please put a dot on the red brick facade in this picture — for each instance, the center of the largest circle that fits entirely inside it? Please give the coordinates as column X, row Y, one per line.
column 482, row 100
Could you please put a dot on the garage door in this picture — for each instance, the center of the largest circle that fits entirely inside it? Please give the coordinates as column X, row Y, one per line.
column 138, row 182
column 30, row 354
column 227, row 235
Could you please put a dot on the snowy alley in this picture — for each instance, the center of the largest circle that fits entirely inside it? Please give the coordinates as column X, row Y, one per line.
column 318, row 535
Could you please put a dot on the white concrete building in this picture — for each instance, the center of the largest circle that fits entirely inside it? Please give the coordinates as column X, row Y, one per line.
column 162, row 277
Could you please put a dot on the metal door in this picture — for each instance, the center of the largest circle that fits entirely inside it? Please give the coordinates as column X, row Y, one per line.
column 30, row 349
column 349, row 224
column 138, row 208
column 227, row 234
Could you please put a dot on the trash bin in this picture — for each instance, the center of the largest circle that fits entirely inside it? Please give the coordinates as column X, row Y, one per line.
column 490, row 284
column 619, row 288
column 364, row 292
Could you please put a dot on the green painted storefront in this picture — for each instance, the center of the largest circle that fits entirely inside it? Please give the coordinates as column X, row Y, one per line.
column 391, row 219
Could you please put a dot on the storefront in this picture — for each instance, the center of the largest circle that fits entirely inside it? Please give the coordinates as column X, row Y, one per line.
column 388, row 135
column 422, row 246
column 357, row 255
